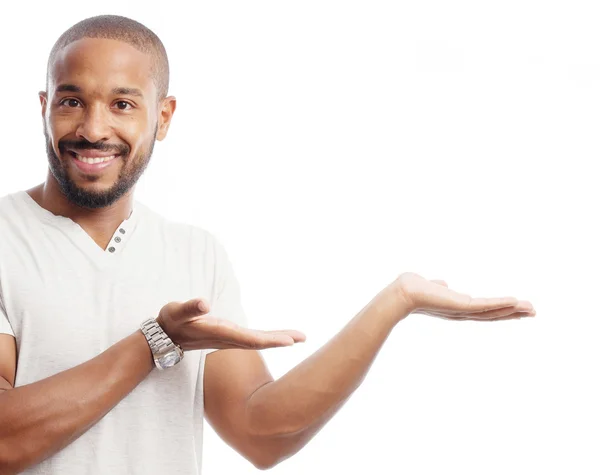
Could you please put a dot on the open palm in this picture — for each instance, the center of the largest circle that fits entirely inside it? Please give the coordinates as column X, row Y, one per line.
column 433, row 297
column 187, row 324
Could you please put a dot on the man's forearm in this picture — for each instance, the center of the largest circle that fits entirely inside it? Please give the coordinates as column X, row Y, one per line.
column 284, row 415
column 39, row 419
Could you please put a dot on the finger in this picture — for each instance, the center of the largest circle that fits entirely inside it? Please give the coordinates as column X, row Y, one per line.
column 513, row 316
column 262, row 340
column 440, row 282
column 475, row 305
column 501, row 312
column 269, row 339
column 195, row 307
column 184, row 310
column 444, row 316
column 228, row 332
column 506, row 315
column 191, row 308
column 296, row 335
column 452, row 302
column 489, row 315
column 220, row 345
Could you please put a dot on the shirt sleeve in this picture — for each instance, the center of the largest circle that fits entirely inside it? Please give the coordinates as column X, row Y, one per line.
column 5, row 326
column 227, row 302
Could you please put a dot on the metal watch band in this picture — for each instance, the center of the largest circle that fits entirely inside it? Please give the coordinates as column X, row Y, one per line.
column 156, row 336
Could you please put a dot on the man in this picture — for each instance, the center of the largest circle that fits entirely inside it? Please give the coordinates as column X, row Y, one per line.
column 110, row 314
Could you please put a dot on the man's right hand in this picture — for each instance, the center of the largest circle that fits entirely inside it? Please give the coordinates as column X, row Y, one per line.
column 433, row 297
column 187, row 325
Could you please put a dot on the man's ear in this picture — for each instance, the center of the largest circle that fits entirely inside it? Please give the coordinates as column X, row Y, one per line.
column 165, row 114
column 43, row 101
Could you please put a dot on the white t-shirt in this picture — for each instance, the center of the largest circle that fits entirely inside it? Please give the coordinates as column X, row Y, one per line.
column 66, row 300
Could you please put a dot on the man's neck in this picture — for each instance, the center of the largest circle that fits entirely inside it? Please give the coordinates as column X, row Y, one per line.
column 100, row 224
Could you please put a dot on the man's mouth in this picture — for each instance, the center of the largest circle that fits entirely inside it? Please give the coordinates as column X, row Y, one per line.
column 97, row 162
column 85, row 159
column 92, row 156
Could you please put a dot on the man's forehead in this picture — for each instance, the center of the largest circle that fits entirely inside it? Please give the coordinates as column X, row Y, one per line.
column 102, row 63
column 117, row 91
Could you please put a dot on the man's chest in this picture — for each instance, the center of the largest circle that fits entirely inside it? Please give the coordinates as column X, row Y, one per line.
column 64, row 313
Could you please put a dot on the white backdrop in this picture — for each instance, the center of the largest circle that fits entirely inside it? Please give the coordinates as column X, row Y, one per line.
column 331, row 145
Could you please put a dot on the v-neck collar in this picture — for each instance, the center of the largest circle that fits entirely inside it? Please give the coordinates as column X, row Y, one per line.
column 101, row 258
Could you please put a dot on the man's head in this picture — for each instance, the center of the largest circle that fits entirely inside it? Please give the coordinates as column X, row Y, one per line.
column 106, row 86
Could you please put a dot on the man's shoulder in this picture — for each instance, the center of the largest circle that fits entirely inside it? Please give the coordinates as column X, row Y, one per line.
column 14, row 219
column 177, row 228
column 10, row 209
column 7, row 202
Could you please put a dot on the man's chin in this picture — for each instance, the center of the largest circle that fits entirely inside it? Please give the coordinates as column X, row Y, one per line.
column 91, row 200
column 89, row 191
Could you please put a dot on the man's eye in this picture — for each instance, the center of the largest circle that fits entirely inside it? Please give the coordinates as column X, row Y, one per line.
column 69, row 102
column 122, row 105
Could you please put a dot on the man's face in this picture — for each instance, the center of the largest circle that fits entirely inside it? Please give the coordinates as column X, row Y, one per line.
column 101, row 101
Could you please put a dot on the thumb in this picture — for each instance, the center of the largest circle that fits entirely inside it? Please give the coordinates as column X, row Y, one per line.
column 441, row 282
column 194, row 308
column 191, row 308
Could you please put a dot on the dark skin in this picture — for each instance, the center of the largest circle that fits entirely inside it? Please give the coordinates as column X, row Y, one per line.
column 81, row 109
column 96, row 115
column 265, row 420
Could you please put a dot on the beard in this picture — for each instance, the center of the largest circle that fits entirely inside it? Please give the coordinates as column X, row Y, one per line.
column 96, row 199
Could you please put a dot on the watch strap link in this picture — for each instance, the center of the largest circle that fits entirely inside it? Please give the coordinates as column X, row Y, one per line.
column 156, row 336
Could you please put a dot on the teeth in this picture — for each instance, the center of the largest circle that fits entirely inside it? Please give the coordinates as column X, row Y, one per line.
column 94, row 160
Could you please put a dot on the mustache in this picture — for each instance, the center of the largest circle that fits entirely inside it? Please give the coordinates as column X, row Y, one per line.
column 66, row 145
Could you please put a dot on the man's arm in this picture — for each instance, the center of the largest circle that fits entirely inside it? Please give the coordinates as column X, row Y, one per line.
column 8, row 361
column 268, row 421
column 39, row 419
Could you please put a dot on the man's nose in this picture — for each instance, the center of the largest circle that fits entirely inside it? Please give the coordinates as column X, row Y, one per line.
column 95, row 124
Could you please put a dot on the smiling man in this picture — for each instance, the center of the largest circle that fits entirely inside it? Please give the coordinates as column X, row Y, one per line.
column 110, row 314
column 107, row 107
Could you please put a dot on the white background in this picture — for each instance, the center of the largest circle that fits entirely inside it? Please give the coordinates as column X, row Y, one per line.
column 333, row 145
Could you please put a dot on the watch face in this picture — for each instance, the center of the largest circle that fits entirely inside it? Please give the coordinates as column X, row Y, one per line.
column 169, row 359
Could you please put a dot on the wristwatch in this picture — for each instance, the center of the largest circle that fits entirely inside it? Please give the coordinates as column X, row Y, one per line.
column 166, row 353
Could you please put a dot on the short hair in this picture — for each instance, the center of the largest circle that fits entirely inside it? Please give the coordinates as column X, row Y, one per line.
column 124, row 29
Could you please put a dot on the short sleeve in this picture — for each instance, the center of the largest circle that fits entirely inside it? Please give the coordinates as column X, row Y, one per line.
column 4, row 323
column 227, row 302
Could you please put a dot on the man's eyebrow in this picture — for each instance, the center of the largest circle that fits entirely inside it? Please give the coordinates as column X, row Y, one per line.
column 118, row 91
column 68, row 88
column 127, row 91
